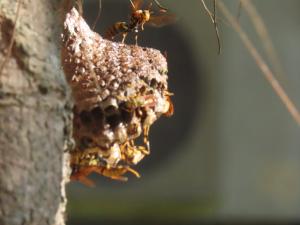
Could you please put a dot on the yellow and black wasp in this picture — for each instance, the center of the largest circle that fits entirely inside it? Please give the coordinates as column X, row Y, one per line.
column 139, row 17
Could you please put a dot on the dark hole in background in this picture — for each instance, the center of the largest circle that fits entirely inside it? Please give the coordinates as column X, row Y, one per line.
column 167, row 134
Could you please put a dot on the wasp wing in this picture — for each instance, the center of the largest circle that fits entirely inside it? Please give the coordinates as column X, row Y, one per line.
column 161, row 20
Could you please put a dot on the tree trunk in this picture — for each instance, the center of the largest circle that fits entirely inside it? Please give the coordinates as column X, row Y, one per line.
column 34, row 116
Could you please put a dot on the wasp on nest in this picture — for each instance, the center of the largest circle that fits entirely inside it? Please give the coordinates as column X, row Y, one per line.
column 119, row 91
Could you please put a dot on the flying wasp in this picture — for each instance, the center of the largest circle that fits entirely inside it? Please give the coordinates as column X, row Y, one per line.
column 139, row 17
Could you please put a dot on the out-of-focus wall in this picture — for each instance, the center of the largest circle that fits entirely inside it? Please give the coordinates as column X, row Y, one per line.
column 258, row 143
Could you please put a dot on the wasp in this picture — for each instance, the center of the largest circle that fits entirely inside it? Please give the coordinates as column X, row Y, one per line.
column 83, row 163
column 113, row 173
column 139, row 17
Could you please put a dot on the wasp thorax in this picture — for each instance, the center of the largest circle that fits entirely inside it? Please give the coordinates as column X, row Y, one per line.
column 119, row 91
column 146, row 15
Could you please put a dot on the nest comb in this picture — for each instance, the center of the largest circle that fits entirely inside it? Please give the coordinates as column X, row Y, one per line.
column 119, row 91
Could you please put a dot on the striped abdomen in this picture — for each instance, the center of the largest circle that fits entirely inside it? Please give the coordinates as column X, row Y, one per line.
column 117, row 28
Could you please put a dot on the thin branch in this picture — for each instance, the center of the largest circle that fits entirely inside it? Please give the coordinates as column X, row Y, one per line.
column 261, row 63
column 12, row 40
column 213, row 19
column 216, row 27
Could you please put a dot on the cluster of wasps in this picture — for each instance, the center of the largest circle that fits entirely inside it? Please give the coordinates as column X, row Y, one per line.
column 105, row 131
column 112, row 107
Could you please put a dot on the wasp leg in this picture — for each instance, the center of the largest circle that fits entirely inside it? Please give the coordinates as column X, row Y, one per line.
column 113, row 173
column 134, row 172
column 132, row 154
column 142, row 25
column 124, row 37
column 84, row 180
column 116, row 173
column 144, row 150
column 146, row 139
column 81, row 175
column 136, row 39
column 170, row 110
column 150, row 101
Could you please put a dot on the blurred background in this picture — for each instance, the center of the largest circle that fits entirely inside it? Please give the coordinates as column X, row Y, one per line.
column 231, row 152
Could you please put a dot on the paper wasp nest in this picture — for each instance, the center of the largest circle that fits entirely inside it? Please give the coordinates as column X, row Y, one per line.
column 119, row 91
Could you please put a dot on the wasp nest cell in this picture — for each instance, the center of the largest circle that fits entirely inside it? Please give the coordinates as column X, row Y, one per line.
column 119, row 92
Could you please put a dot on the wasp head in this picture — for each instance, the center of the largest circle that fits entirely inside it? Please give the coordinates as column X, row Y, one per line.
column 146, row 15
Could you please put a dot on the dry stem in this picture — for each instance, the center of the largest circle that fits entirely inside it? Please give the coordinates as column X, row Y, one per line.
column 261, row 63
column 214, row 21
column 262, row 32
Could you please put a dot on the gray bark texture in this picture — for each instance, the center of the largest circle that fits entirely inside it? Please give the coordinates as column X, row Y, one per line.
column 34, row 116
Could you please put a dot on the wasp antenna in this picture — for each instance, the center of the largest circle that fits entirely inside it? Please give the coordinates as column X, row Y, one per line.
column 132, row 4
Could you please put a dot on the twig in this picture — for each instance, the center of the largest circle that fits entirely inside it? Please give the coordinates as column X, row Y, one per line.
column 213, row 19
column 261, row 63
column 11, row 43
column 216, row 27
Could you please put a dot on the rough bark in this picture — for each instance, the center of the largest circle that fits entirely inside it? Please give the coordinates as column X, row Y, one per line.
column 34, row 116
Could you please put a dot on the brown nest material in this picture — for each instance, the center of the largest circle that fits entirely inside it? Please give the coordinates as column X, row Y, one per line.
column 119, row 92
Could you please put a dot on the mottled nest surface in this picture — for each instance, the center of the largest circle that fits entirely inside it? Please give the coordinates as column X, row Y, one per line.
column 119, row 91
